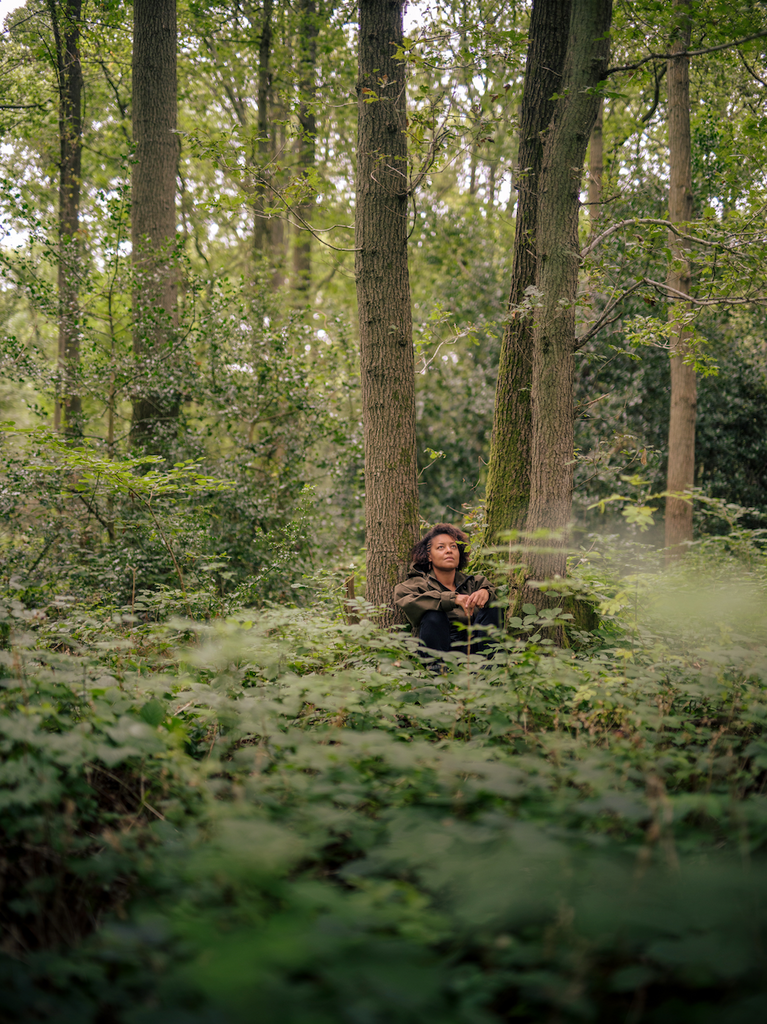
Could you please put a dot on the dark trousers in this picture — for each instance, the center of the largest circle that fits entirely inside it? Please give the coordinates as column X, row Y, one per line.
column 438, row 633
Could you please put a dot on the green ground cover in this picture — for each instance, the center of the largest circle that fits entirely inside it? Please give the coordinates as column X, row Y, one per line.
column 282, row 817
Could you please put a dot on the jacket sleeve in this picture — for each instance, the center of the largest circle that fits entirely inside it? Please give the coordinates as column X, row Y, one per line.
column 415, row 598
column 483, row 583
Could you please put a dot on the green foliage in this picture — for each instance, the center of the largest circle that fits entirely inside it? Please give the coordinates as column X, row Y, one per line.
column 283, row 816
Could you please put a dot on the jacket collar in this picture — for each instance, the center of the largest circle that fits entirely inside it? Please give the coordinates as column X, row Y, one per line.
column 460, row 577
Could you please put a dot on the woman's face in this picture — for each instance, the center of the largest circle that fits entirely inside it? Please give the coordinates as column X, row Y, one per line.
column 444, row 552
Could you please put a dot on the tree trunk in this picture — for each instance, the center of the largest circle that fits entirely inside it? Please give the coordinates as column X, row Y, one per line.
column 65, row 22
column 261, row 233
column 387, row 363
column 681, row 430
column 153, row 228
column 596, row 169
column 557, row 259
column 508, row 482
column 305, row 144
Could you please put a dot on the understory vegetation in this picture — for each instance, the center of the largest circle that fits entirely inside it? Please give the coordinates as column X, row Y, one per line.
column 281, row 814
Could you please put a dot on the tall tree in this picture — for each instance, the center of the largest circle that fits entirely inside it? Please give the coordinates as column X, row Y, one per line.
column 65, row 23
column 557, row 266
column 684, row 391
column 153, row 226
column 305, row 143
column 508, row 482
column 596, row 170
column 261, row 225
column 387, row 365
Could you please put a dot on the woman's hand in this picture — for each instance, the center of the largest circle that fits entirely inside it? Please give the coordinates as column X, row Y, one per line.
column 469, row 602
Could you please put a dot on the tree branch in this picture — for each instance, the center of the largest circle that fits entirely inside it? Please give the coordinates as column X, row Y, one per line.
column 723, row 300
column 685, row 53
column 604, row 320
column 656, row 96
column 301, row 220
column 635, row 221
column 751, row 71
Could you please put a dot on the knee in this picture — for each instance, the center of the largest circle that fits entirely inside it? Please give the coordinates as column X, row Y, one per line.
column 490, row 617
column 434, row 630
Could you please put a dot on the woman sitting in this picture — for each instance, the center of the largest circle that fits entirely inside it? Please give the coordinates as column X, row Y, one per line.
column 440, row 600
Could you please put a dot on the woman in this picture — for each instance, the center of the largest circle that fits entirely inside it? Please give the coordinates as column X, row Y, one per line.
column 440, row 600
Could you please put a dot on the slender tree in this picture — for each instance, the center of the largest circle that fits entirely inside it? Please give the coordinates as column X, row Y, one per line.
column 681, row 430
column 508, row 483
column 65, row 23
column 305, row 143
column 153, row 226
column 557, row 263
column 383, row 295
column 261, row 225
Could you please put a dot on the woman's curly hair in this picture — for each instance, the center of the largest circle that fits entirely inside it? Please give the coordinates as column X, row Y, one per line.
column 421, row 560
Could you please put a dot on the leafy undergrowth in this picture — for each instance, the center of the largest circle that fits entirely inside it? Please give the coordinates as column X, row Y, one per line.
column 289, row 819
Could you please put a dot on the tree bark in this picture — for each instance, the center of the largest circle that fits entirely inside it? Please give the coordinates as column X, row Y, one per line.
column 305, row 144
column 557, row 259
column 65, row 22
column 596, row 170
column 387, row 363
column 508, row 482
column 261, row 232
column 681, row 430
column 153, row 228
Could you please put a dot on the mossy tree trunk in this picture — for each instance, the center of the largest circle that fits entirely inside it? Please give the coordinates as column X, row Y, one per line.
column 557, row 261
column 387, row 363
column 508, row 482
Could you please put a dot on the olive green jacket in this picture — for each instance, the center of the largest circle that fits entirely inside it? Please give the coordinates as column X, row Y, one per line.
column 421, row 592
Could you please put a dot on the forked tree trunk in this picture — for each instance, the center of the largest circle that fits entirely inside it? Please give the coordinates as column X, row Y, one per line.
column 65, row 23
column 681, row 430
column 387, row 363
column 508, row 482
column 557, row 282
column 305, row 144
column 153, row 227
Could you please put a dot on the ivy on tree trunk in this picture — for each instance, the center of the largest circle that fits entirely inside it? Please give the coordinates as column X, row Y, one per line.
column 387, row 364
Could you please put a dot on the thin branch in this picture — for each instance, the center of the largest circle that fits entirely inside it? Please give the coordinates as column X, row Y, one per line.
column 299, row 218
column 23, row 106
column 656, row 97
column 685, row 53
column 147, row 503
column 751, row 71
column 723, row 300
column 604, row 320
column 635, row 221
